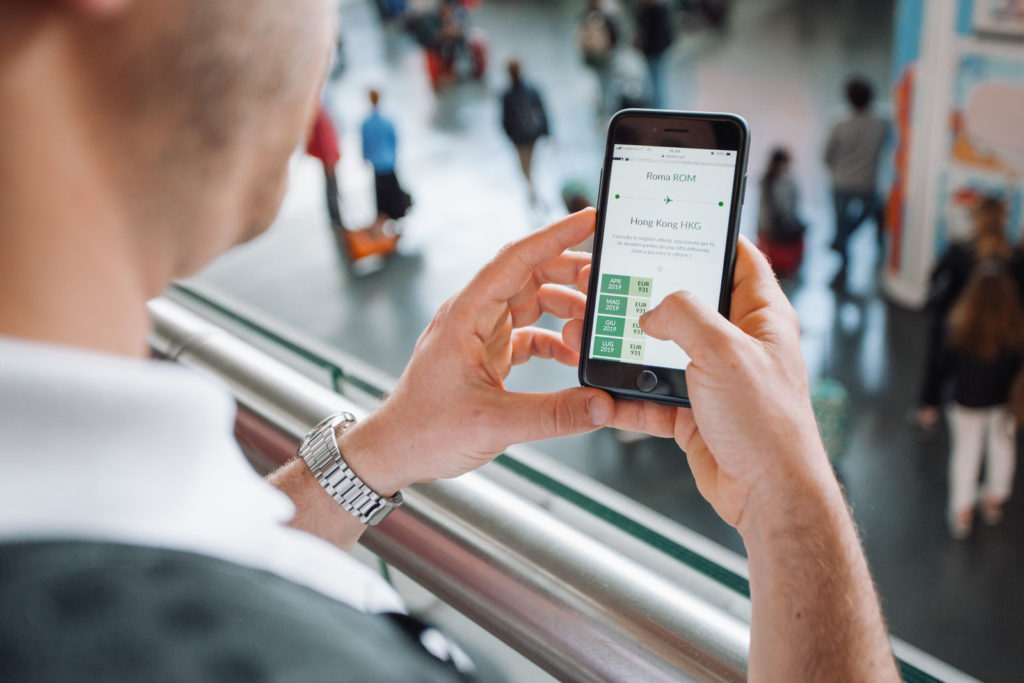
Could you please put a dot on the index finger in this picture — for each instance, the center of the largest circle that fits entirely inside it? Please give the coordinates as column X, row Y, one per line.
column 755, row 286
column 505, row 276
column 561, row 270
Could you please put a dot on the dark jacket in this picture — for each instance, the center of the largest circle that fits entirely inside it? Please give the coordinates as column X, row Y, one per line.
column 949, row 277
column 523, row 115
column 653, row 29
column 979, row 383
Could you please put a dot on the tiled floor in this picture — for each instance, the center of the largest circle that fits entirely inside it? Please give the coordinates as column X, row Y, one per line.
column 781, row 66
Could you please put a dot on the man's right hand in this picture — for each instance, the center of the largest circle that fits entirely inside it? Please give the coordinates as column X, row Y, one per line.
column 751, row 424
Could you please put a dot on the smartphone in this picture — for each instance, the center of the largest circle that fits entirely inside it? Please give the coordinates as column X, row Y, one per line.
column 668, row 218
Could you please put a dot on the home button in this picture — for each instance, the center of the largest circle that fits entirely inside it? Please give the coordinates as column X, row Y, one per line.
column 646, row 381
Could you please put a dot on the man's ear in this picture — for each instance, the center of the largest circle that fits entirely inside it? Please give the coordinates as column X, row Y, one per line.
column 97, row 8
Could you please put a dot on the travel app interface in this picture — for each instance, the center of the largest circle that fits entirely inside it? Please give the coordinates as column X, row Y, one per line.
column 666, row 223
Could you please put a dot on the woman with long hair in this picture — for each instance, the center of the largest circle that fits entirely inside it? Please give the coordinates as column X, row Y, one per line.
column 988, row 241
column 983, row 355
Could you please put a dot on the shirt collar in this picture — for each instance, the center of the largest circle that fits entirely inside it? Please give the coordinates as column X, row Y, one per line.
column 89, row 438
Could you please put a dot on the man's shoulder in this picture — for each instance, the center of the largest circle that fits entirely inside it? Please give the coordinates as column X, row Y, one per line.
column 871, row 120
column 382, row 123
column 859, row 124
column 879, row 121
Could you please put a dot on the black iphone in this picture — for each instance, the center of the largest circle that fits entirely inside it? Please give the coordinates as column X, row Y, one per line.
column 668, row 217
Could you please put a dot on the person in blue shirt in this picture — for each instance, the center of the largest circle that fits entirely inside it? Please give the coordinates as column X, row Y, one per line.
column 379, row 148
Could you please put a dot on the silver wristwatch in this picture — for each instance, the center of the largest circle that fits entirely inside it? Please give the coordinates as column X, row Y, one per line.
column 320, row 451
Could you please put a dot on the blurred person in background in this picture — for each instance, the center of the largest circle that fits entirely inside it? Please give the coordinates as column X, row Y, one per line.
column 524, row 119
column 981, row 359
column 391, row 10
column 712, row 13
column 598, row 37
column 780, row 232
column 380, row 148
column 323, row 144
column 852, row 154
column 654, row 35
column 451, row 43
column 453, row 51
column 630, row 81
column 988, row 241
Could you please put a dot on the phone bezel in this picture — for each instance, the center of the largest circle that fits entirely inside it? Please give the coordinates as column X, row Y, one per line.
column 662, row 128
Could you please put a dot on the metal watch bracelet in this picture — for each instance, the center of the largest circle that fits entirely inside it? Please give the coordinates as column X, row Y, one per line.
column 323, row 457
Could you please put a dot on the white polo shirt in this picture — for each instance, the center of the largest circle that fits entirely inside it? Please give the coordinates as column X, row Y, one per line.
column 101, row 447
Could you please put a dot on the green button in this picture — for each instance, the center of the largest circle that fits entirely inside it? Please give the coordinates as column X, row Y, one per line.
column 612, row 305
column 615, row 284
column 637, row 307
column 633, row 330
column 611, row 327
column 607, row 347
column 633, row 352
column 640, row 286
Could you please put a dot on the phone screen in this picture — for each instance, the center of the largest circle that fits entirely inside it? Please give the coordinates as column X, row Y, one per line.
column 666, row 229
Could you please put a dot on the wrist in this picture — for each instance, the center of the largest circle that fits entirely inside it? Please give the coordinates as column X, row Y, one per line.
column 375, row 455
column 793, row 493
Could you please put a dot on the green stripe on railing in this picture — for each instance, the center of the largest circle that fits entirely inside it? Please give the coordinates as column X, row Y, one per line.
column 911, row 674
column 666, row 545
column 696, row 561
column 338, row 375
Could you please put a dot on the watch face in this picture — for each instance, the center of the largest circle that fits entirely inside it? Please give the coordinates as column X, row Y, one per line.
column 332, row 422
column 343, row 481
column 378, row 515
column 385, row 508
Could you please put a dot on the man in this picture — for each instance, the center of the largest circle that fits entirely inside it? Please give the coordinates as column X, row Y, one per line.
column 524, row 119
column 134, row 542
column 598, row 37
column 379, row 148
column 653, row 38
column 852, row 153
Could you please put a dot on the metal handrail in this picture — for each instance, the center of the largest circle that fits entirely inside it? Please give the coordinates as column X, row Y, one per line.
column 564, row 600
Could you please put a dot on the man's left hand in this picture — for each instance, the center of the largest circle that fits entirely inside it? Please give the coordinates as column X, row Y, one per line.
column 450, row 412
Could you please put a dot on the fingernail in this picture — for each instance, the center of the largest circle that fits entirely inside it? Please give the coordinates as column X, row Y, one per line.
column 599, row 411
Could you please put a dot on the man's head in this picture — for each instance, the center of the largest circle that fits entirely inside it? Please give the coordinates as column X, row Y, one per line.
column 778, row 161
column 183, row 112
column 859, row 93
column 374, row 98
column 514, row 71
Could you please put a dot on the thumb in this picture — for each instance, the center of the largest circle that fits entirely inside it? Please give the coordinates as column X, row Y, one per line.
column 690, row 323
column 536, row 416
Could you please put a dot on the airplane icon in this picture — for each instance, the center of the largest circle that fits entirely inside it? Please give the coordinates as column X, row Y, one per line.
column 668, row 200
